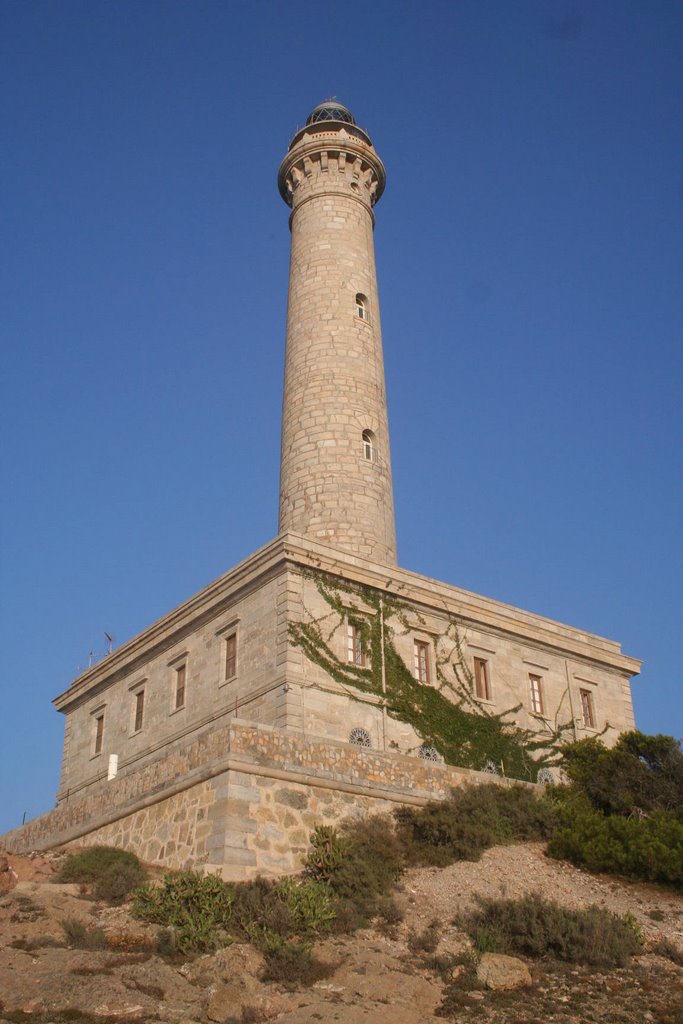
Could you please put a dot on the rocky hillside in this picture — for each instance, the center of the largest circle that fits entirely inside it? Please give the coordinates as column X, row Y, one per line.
column 416, row 969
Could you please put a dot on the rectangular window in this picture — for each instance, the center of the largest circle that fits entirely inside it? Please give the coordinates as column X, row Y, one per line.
column 231, row 656
column 356, row 653
column 139, row 710
column 482, row 685
column 536, row 694
column 421, row 661
column 99, row 733
column 180, row 677
column 587, row 709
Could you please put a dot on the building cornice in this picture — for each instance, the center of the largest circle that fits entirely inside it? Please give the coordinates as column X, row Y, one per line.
column 165, row 632
column 430, row 595
column 469, row 608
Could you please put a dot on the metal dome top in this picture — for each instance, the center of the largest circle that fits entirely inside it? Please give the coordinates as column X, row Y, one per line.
column 330, row 110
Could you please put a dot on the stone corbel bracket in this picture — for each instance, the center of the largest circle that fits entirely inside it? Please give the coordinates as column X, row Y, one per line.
column 340, row 161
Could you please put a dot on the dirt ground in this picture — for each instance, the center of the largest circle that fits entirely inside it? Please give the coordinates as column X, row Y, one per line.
column 373, row 976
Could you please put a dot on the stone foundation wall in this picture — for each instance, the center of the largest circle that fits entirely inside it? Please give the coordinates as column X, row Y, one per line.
column 241, row 800
column 172, row 832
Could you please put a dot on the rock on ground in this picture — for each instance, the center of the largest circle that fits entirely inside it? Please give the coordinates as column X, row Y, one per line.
column 497, row 971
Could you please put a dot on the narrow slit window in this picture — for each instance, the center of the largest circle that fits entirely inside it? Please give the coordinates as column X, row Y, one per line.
column 587, row 709
column 231, row 656
column 139, row 710
column 536, row 694
column 356, row 651
column 421, row 669
column 362, row 309
column 368, row 446
column 99, row 733
column 482, row 684
column 180, row 680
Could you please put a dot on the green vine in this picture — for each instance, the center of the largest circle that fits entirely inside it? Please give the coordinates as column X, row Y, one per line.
column 445, row 715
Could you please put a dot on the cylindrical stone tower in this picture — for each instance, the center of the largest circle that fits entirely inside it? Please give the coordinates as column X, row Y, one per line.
column 335, row 471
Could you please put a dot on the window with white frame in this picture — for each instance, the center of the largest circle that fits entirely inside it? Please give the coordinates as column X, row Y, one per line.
column 368, row 439
column 536, row 693
column 421, row 667
column 362, row 308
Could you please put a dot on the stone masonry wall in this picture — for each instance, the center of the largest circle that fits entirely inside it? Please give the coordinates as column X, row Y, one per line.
column 334, row 373
column 332, row 709
column 240, row 800
column 255, row 619
column 172, row 832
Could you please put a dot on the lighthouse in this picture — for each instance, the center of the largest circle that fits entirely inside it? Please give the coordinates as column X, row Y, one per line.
column 299, row 686
column 335, row 473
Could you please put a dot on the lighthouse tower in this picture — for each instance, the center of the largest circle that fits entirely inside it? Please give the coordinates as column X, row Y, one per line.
column 295, row 688
column 335, row 473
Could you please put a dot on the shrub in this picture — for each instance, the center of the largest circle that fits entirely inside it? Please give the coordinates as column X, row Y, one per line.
column 196, row 911
column 444, row 965
column 285, row 908
column 535, row 927
column 427, row 940
column 389, row 911
column 327, row 851
column 668, row 949
column 290, row 963
column 255, row 904
column 469, row 822
column 197, row 908
column 623, row 810
column 361, row 863
column 649, row 848
column 39, row 942
column 644, row 772
column 113, row 873
column 82, row 937
column 310, row 904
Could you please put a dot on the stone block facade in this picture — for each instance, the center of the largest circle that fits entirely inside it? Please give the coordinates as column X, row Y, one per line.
column 240, row 800
column 236, row 778
column 217, row 738
column 335, row 474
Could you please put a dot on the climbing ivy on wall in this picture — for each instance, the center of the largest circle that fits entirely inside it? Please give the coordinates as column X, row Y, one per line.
column 443, row 713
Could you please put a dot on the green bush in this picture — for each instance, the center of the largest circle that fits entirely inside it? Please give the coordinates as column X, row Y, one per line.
column 39, row 942
column 285, row 908
column 82, row 937
column 668, row 949
column 327, row 851
column 535, row 927
column 310, row 904
column 389, row 911
column 256, row 905
column 290, row 963
column 427, row 940
column 196, row 908
column 469, row 822
column 196, row 911
column 648, row 848
column 113, row 873
column 361, row 863
column 639, row 772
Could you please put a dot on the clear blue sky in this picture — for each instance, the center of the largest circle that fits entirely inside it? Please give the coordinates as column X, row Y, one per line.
column 529, row 259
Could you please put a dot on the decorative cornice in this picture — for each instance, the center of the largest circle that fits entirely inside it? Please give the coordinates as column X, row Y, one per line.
column 351, row 164
column 429, row 595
